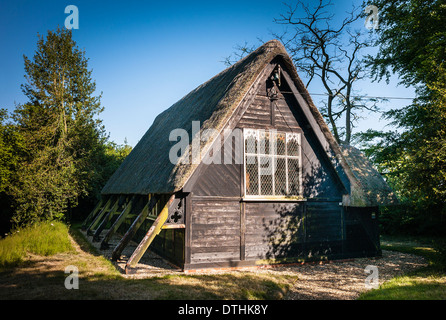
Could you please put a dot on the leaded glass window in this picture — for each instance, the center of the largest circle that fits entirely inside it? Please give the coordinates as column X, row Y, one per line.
column 272, row 163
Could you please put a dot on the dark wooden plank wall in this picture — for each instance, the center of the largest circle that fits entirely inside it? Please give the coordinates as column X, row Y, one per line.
column 170, row 245
column 222, row 179
column 225, row 228
column 222, row 232
column 323, row 222
column 318, row 176
column 215, row 231
column 259, row 115
column 362, row 231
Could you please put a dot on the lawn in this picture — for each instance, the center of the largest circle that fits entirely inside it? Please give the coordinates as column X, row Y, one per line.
column 33, row 263
column 427, row 283
column 39, row 273
column 43, row 239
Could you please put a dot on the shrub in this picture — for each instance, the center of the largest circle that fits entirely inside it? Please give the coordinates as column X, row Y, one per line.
column 410, row 219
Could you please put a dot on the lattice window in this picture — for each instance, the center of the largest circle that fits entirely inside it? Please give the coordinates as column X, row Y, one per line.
column 272, row 163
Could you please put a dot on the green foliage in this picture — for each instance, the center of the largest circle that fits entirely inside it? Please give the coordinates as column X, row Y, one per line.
column 411, row 41
column 104, row 162
column 56, row 152
column 410, row 219
column 10, row 145
column 44, row 239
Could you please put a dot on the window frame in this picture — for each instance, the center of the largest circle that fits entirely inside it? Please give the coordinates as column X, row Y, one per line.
column 249, row 132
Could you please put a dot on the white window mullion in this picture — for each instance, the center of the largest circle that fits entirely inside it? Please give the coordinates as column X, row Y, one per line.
column 273, row 173
column 258, row 162
column 299, row 138
column 286, row 163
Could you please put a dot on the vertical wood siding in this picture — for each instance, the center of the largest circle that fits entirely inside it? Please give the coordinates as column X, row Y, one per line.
column 362, row 230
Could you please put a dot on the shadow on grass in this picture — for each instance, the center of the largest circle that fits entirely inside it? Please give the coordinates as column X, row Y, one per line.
column 80, row 239
column 37, row 282
column 44, row 277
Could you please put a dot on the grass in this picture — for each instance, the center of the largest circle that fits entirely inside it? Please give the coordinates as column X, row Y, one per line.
column 38, row 273
column 33, row 261
column 411, row 287
column 427, row 283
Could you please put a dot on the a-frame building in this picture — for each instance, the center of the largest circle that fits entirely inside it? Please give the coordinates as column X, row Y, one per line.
column 243, row 171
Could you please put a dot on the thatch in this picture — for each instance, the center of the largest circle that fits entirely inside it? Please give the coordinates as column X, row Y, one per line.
column 371, row 189
column 148, row 169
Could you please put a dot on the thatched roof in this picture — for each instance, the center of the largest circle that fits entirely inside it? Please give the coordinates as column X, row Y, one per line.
column 371, row 189
column 148, row 169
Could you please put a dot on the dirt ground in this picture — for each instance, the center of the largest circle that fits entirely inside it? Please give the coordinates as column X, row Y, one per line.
column 343, row 280
column 347, row 280
column 41, row 278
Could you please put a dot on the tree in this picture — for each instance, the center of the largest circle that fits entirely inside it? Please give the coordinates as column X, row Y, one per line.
column 329, row 50
column 60, row 130
column 325, row 48
column 412, row 43
column 10, row 147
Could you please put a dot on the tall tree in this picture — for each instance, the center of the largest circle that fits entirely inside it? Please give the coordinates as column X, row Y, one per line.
column 328, row 50
column 60, row 128
column 10, row 147
column 412, row 43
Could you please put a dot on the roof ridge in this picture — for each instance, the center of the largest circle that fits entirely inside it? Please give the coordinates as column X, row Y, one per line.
column 149, row 169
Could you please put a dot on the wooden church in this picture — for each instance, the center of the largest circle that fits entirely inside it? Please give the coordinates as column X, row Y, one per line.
column 283, row 190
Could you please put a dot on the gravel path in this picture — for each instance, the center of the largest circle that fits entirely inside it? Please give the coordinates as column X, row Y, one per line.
column 335, row 280
column 347, row 280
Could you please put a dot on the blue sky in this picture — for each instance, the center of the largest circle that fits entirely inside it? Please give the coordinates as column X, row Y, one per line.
column 146, row 55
